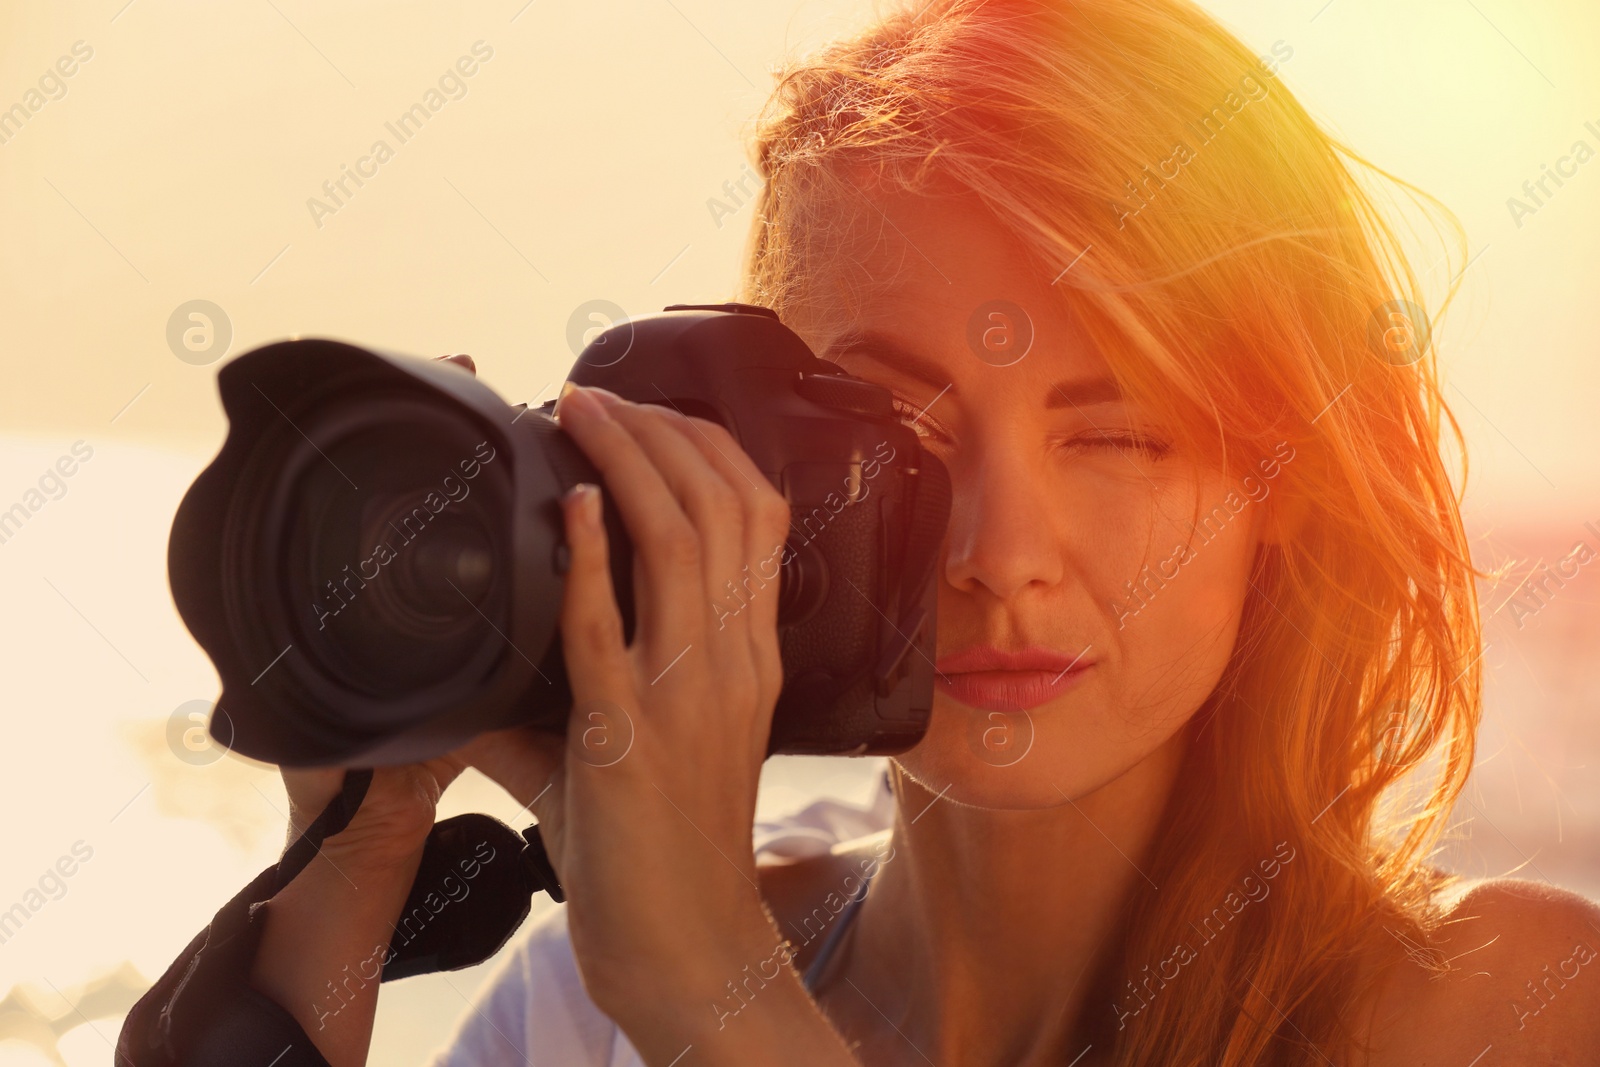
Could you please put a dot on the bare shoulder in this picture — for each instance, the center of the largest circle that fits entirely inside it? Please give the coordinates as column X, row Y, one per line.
column 806, row 896
column 1522, row 985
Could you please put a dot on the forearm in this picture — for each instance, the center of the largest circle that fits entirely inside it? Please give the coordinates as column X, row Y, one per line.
column 323, row 947
column 781, row 1025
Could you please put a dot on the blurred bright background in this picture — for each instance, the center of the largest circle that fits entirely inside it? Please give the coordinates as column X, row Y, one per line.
column 580, row 163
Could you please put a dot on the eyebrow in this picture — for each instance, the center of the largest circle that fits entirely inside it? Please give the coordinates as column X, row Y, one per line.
column 885, row 350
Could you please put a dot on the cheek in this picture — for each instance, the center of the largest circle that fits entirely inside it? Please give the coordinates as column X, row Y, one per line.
column 1172, row 648
column 1173, row 651
column 1150, row 676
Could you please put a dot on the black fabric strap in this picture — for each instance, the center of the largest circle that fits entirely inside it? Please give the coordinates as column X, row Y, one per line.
column 471, row 893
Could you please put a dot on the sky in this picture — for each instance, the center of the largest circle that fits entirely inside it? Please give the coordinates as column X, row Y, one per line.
column 577, row 163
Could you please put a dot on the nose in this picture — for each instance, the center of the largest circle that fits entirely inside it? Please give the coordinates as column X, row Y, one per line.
column 1001, row 534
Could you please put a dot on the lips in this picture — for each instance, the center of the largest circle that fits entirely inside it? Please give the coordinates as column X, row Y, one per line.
column 994, row 679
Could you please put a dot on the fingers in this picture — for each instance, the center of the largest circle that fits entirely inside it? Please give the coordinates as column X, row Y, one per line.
column 395, row 815
column 715, row 593
column 766, row 515
column 702, row 482
column 742, row 521
column 670, row 595
column 750, row 606
column 599, row 667
column 719, row 447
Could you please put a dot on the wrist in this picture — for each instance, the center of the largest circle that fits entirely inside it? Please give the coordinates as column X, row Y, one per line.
column 757, row 1011
column 323, row 944
column 716, row 963
column 365, row 861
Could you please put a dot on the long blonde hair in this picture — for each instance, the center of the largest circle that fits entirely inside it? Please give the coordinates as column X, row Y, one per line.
column 1224, row 257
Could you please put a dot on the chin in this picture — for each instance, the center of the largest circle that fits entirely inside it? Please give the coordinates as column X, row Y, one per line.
column 1011, row 761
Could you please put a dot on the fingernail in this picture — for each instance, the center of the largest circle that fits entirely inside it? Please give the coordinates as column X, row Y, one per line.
column 587, row 495
column 574, row 394
column 605, row 396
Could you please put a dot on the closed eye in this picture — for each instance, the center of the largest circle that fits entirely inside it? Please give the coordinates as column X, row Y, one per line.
column 1121, row 441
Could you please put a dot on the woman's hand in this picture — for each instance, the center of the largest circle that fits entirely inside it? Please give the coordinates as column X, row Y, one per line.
column 646, row 808
column 327, row 932
column 395, row 816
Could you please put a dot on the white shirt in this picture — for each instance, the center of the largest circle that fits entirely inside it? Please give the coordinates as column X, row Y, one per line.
column 533, row 1011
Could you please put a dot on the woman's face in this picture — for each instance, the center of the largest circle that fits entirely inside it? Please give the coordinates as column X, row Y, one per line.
column 1061, row 499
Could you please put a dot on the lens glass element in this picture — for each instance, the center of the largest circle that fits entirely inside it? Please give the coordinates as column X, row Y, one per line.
column 397, row 541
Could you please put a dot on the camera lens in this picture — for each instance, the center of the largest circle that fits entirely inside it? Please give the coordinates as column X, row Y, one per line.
column 396, row 544
column 448, row 575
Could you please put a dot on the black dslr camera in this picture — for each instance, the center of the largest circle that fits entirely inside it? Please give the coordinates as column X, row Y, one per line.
column 374, row 560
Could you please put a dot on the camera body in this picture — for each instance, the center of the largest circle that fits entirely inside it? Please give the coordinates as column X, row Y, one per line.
column 374, row 560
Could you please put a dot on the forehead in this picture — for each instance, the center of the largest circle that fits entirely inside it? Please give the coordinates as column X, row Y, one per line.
column 943, row 280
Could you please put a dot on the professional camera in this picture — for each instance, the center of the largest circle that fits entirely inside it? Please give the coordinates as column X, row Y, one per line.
column 374, row 561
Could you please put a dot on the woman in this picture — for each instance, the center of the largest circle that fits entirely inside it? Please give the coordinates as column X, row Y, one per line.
column 1205, row 600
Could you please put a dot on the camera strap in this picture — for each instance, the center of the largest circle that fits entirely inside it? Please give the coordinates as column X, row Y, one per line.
column 473, row 889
